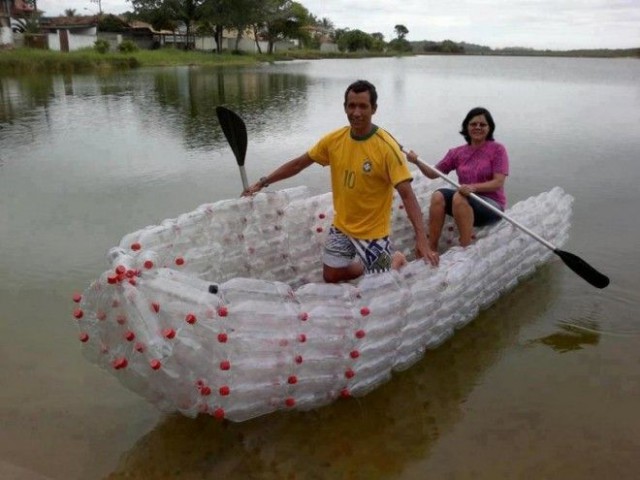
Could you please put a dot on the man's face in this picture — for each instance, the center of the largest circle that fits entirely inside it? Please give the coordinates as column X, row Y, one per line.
column 359, row 112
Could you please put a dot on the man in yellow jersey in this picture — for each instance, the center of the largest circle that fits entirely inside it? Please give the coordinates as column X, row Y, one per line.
column 366, row 165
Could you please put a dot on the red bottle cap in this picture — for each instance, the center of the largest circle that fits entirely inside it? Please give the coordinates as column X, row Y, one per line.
column 168, row 333
column 119, row 363
column 218, row 414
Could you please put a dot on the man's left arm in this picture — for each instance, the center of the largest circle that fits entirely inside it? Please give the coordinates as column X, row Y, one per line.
column 414, row 212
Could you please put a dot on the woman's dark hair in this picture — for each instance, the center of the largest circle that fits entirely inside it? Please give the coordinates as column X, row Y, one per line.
column 474, row 112
column 360, row 86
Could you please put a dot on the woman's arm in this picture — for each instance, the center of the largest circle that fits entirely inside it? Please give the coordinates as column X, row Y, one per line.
column 412, row 157
column 491, row 186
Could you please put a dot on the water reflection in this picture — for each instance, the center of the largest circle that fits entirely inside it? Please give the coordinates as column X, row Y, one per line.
column 183, row 98
column 372, row 437
column 189, row 97
column 572, row 338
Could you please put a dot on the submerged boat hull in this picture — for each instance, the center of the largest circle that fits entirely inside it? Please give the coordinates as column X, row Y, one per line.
column 222, row 310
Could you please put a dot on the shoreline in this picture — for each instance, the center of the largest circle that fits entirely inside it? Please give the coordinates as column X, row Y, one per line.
column 29, row 61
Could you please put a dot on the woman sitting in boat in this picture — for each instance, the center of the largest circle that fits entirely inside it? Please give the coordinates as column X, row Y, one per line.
column 482, row 165
column 366, row 165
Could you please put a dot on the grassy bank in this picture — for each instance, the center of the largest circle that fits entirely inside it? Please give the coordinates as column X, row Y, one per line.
column 26, row 61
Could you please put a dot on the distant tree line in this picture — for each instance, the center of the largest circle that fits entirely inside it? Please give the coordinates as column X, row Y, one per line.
column 463, row 48
column 268, row 20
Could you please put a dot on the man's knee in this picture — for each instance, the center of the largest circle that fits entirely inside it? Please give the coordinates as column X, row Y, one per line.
column 330, row 276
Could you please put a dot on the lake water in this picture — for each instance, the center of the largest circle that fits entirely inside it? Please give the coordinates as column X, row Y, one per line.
column 544, row 384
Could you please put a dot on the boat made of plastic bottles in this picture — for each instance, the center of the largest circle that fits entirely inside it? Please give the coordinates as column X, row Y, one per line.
column 223, row 311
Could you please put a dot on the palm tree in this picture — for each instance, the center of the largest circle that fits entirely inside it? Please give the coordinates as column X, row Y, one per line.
column 326, row 24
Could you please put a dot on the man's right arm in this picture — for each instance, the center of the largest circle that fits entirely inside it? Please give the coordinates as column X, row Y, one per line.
column 284, row 171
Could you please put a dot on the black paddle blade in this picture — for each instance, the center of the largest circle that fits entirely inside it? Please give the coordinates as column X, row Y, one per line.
column 583, row 269
column 235, row 131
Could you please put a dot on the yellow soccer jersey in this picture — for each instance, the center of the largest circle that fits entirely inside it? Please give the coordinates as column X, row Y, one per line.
column 364, row 172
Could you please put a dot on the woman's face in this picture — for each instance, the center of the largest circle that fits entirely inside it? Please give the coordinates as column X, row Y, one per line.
column 478, row 129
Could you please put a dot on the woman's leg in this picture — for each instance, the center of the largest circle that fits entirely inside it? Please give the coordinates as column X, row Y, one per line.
column 436, row 219
column 463, row 215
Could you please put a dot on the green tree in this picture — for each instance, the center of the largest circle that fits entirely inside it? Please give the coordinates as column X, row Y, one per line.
column 378, row 44
column 70, row 12
column 449, row 46
column 401, row 31
column 400, row 45
column 188, row 12
column 238, row 15
column 164, row 13
column 281, row 19
column 111, row 23
column 326, row 23
column 242, row 14
column 354, row 40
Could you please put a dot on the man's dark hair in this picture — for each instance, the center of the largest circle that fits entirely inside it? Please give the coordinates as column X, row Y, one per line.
column 474, row 112
column 360, row 86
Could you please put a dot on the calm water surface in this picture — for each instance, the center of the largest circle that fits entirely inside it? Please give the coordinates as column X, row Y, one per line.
column 544, row 384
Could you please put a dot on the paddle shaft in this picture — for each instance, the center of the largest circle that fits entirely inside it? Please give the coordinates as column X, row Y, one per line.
column 243, row 175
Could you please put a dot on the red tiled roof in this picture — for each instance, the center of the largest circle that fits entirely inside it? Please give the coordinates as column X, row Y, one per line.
column 69, row 22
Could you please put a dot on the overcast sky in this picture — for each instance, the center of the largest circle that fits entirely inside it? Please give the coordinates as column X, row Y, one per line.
column 540, row 24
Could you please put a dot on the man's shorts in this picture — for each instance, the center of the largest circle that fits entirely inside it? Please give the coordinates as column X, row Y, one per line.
column 482, row 216
column 340, row 250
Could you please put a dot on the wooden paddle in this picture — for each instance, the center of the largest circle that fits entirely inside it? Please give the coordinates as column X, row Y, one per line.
column 235, row 131
column 575, row 263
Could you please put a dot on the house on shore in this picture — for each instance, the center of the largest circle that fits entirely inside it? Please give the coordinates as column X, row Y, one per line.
column 69, row 33
column 9, row 11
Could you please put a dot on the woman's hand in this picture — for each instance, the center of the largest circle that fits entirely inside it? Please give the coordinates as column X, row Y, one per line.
column 467, row 189
column 412, row 157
